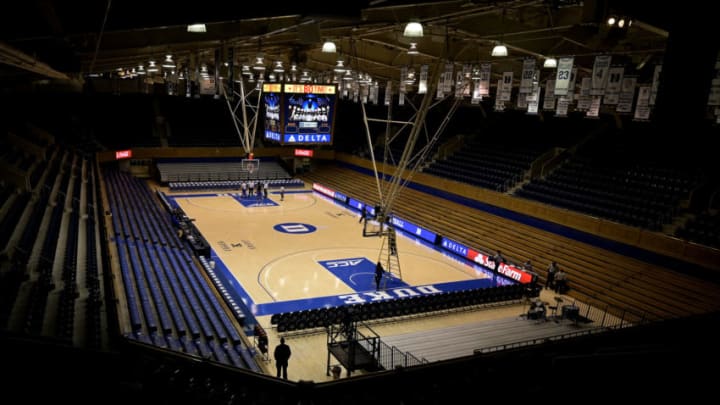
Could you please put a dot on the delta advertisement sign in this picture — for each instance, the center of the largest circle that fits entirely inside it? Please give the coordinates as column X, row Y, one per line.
column 506, row 270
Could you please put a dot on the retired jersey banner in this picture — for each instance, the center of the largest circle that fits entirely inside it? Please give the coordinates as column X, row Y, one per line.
column 485, row 79
column 522, row 101
column 448, row 78
column 594, row 110
column 533, row 101
column 562, row 77
column 562, row 107
column 459, row 84
column 533, row 95
column 573, row 78
column 374, row 90
column 642, row 109
column 499, row 102
column 627, row 95
column 612, row 90
column 528, row 72
column 506, row 90
column 585, row 98
column 388, row 93
column 600, row 74
column 466, row 80
column 549, row 100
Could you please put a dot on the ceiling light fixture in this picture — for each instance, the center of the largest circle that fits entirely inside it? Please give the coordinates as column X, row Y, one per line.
column 413, row 29
column 329, row 47
column 499, row 50
column 550, row 63
column 197, row 28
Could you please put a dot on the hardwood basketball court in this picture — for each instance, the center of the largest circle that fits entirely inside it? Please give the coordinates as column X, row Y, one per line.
column 306, row 251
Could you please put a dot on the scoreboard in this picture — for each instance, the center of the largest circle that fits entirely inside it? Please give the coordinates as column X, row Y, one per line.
column 299, row 113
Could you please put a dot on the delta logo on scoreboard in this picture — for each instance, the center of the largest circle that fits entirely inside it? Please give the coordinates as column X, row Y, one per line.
column 307, row 138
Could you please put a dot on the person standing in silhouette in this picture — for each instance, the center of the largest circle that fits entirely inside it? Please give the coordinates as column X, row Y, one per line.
column 363, row 215
column 378, row 274
column 551, row 271
column 282, row 193
column 282, row 355
column 498, row 259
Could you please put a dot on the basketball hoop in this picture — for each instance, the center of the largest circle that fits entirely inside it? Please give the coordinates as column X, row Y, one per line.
column 250, row 165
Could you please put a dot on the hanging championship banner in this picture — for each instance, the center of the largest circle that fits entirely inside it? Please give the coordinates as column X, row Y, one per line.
column 440, row 93
column 562, row 107
column 355, row 91
column 374, row 89
column 655, row 84
column 388, row 93
column 485, row 79
column 506, row 88
column 594, row 110
column 459, row 84
column 601, row 68
column 562, row 77
column 534, row 101
column 584, row 99
column 364, row 94
column 612, row 90
column 526, row 80
column 499, row 103
column 467, row 82
column 642, row 109
column 627, row 95
column 422, row 84
column 534, row 95
column 448, row 78
column 549, row 100
column 522, row 101
column 571, row 93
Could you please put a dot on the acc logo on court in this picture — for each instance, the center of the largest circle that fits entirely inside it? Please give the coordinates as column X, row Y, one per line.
column 343, row 263
column 295, row 228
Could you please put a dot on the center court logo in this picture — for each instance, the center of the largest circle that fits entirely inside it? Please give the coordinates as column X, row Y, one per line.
column 295, row 228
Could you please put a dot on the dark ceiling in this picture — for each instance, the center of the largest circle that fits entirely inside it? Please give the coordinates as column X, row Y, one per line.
column 52, row 38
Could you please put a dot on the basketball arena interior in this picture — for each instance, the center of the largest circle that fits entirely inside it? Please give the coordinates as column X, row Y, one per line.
column 429, row 202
